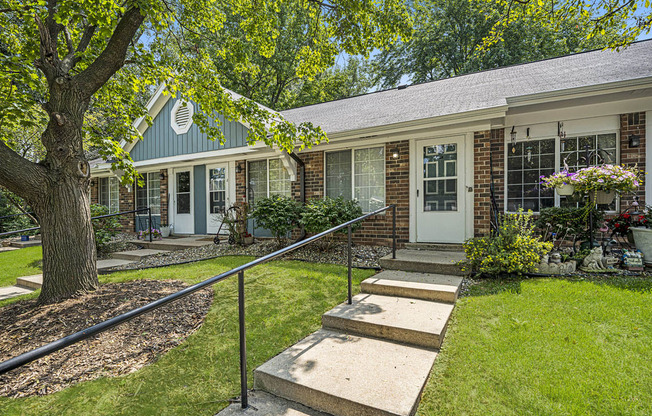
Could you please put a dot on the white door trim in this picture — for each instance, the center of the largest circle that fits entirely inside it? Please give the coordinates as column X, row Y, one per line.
column 183, row 224
column 211, row 226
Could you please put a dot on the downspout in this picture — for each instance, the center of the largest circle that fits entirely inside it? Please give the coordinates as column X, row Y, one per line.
column 302, row 187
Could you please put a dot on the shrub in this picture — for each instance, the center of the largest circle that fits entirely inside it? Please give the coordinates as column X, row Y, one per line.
column 105, row 228
column 278, row 214
column 569, row 221
column 513, row 249
column 322, row 214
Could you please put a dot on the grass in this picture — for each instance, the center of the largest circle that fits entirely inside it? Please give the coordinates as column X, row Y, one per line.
column 547, row 347
column 19, row 263
column 285, row 300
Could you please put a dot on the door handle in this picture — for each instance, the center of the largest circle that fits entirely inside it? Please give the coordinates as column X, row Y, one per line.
column 417, row 192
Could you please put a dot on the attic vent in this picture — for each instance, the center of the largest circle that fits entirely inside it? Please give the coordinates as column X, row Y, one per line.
column 182, row 116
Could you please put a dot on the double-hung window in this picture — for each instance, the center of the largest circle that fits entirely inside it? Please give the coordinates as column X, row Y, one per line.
column 268, row 178
column 530, row 159
column 357, row 174
column 110, row 194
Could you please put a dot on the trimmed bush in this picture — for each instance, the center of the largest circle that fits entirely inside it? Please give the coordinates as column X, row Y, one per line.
column 279, row 214
column 322, row 214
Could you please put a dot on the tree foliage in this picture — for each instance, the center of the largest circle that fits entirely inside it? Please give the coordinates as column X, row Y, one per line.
column 449, row 39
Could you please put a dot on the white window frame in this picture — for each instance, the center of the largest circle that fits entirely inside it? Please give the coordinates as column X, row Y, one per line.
column 173, row 122
column 267, row 194
column 99, row 193
column 558, row 161
column 146, row 180
column 353, row 150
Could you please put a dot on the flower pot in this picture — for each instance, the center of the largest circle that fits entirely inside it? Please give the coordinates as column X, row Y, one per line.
column 165, row 232
column 248, row 240
column 602, row 197
column 24, row 238
column 643, row 241
column 566, row 190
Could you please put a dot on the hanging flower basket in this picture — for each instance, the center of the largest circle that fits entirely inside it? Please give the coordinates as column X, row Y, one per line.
column 566, row 190
column 602, row 197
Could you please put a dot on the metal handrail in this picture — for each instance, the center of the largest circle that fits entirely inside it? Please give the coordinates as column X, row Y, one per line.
column 57, row 345
column 16, row 215
column 148, row 210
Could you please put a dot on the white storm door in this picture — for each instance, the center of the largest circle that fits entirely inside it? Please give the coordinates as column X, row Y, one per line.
column 440, row 191
column 183, row 204
column 217, row 179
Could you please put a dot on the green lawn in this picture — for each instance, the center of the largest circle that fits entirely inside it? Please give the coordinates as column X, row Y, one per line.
column 285, row 300
column 18, row 263
column 547, row 347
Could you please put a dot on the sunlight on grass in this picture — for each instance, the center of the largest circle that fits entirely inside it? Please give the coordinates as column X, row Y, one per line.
column 546, row 347
column 284, row 303
column 19, row 263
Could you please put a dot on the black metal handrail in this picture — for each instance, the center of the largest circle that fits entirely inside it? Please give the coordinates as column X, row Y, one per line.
column 148, row 210
column 54, row 346
column 16, row 215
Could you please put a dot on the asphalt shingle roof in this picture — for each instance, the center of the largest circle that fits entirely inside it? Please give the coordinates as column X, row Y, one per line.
column 477, row 91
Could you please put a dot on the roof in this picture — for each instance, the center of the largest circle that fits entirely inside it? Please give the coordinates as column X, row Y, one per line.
column 478, row 91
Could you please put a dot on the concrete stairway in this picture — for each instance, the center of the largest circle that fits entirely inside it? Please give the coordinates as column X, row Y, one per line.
column 179, row 243
column 425, row 261
column 137, row 255
column 370, row 358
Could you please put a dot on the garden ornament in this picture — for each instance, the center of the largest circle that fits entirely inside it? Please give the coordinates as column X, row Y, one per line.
column 594, row 261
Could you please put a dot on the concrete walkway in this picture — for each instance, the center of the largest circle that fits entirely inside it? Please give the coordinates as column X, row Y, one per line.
column 372, row 357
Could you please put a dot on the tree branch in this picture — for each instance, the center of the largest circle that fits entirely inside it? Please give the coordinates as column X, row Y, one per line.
column 19, row 175
column 113, row 56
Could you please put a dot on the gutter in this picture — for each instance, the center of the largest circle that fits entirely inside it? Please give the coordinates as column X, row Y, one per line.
column 302, row 187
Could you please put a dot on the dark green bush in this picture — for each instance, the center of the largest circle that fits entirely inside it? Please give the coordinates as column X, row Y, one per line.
column 568, row 221
column 105, row 228
column 321, row 214
column 278, row 214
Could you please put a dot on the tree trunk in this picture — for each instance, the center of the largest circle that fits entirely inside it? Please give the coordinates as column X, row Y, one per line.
column 69, row 255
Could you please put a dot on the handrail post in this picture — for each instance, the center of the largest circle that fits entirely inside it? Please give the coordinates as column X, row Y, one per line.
column 394, row 231
column 243, row 342
column 349, row 262
column 149, row 214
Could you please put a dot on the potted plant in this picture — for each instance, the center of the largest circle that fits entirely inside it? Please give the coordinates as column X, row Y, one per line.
column 165, row 230
column 560, row 181
column 247, row 239
column 602, row 183
column 144, row 234
column 641, row 232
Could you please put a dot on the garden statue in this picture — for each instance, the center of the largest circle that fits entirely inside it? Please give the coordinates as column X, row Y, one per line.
column 594, row 261
column 546, row 267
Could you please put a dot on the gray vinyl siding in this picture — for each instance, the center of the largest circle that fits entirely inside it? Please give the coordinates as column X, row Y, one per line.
column 160, row 140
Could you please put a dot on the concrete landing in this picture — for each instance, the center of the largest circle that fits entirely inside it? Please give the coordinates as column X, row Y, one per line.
column 24, row 244
column 427, row 286
column 137, row 255
column 411, row 321
column 3, row 249
column 103, row 265
column 425, row 261
column 264, row 404
column 172, row 244
column 435, row 246
column 32, row 282
column 348, row 375
column 13, row 291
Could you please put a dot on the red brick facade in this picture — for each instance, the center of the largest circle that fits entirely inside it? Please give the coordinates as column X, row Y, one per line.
column 485, row 142
column 632, row 124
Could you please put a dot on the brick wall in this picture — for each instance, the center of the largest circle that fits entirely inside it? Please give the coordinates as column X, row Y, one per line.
column 241, row 182
column 485, row 142
column 95, row 191
column 632, row 124
column 164, row 197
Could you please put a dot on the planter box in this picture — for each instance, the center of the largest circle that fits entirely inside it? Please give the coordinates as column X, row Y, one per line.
column 643, row 241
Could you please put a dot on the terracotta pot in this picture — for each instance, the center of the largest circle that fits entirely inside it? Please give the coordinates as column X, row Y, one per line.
column 643, row 241
column 566, row 190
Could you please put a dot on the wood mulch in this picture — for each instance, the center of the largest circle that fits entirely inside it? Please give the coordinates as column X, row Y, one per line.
column 121, row 350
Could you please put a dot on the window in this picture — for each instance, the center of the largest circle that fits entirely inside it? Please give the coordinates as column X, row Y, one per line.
column 357, row 174
column 181, row 117
column 110, row 194
column 217, row 190
column 528, row 160
column 267, row 178
column 149, row 195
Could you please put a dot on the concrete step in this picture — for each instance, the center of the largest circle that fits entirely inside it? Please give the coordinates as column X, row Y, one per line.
column 24, row 244
column 435, row 246
column 31, row 282
column 8, row 292
column 103, row 265
column 411, row 321
column 427, row 286
column 440, row 262
column 348, row 375
column 7, row 248
column 264, row 404
column 137, row 255
column 174, row 244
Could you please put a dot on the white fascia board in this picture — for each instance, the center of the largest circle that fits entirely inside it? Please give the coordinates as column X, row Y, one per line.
column 580, row 92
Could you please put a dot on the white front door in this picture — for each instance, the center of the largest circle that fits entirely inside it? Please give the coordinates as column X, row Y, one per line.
column 217, row 179
column 183, row 204
column 440, row 191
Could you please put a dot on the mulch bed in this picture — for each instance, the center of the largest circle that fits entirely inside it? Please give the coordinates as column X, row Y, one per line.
column 118, row 351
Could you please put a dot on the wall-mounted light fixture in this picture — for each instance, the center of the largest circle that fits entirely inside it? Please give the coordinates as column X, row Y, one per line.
column 162, row 175
column 634, row 140
column 512, row 135
column 395, row 153
column 527, row 134
column 238, row 168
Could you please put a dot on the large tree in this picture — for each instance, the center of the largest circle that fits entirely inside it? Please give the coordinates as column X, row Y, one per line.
column 449, row 39
column 65, row 57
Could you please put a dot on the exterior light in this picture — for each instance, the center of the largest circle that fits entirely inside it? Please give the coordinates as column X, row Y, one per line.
column 634, row 141
column 395, row 153
column 162, row 175
column 512, row 135
column 238, row 168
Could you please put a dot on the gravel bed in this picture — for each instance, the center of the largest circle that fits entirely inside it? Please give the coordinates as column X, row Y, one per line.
column 362, row 255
